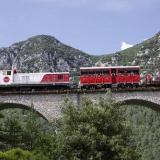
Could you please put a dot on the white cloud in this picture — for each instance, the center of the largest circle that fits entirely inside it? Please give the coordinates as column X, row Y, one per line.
column 125, row 45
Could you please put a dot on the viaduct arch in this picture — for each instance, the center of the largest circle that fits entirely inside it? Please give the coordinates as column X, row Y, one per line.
column 4, row 106
column 49, row 105
column 141, row 102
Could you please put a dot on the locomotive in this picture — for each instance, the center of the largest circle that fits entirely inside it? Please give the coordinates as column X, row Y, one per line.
column 11, row 79
column 89, row 78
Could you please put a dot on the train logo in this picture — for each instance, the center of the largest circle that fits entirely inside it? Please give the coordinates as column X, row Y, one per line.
column 6, row 79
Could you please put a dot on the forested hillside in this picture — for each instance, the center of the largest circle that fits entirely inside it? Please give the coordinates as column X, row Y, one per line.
column 145, row 125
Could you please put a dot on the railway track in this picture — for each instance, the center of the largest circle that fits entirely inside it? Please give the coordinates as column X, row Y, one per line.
column 72, row 91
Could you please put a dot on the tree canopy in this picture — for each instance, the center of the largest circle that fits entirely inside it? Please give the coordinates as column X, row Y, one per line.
column 94, row 131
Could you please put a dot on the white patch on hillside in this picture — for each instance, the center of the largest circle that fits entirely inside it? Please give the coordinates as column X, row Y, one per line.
column 125, row 45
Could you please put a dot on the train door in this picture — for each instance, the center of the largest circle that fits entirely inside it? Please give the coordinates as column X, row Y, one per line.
column 113, row 74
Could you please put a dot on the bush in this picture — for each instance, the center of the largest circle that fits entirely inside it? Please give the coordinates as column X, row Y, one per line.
column 19, row 154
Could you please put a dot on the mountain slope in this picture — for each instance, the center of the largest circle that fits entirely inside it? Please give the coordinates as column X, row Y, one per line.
column 145, row 54
column 43, row 54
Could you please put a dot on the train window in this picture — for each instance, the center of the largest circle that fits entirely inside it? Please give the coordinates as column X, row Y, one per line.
column 135, row 71
column 99, row 72
column 113, row 71
column 8, row 72
column 4, row 73
column 84, row 72
column 60, row 77
column 91, row 72
column 105, row 71
column 128, row 71
column 121, row 71
column 132, row 71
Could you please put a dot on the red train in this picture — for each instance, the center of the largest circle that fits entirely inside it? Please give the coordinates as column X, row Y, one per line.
column 106, row 77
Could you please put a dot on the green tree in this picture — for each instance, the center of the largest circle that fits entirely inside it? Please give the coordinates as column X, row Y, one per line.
column 32, row 130
column 39, row 136
column 19, row 154
column 1, row 115
column 47, row 145
column 145, row 124
column 94, row 131
column 10, row 132
column 25, row 129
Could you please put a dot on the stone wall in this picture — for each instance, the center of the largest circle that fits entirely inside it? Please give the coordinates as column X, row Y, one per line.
column 49, row 105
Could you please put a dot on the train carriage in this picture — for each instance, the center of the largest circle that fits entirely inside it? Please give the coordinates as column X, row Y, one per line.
column 114, row 76
column 95, row 77
column 127, row 76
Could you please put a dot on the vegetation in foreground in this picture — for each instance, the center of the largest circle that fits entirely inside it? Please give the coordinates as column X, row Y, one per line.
column 145, row 124
column 93, row 131
column 19, row 154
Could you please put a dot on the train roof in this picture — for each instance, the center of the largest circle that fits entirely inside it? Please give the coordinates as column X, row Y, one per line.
column 46, row 73
column 109, row 67
column 38, row 72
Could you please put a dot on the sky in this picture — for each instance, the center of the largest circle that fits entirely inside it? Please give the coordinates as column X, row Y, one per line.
column 93, row 26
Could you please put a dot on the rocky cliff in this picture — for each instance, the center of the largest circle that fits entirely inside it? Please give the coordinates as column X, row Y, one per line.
column 43, row 54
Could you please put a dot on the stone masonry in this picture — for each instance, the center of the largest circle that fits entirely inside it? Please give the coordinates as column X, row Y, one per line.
column 49, row 105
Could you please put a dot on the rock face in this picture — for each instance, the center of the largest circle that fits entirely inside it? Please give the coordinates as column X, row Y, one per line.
column 149, row 55
column 43, row 54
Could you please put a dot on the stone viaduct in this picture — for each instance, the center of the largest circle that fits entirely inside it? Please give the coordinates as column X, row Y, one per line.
column 49, row 105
